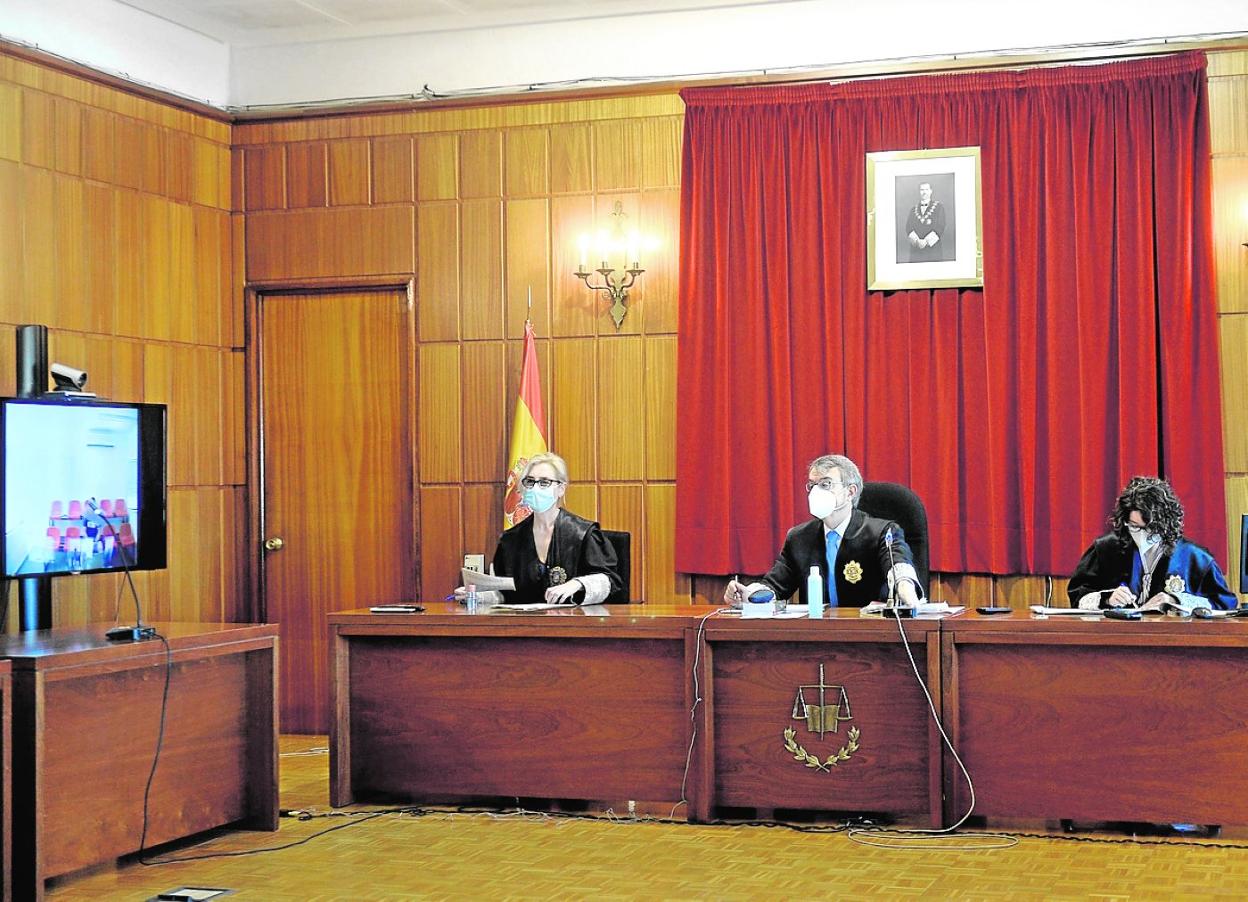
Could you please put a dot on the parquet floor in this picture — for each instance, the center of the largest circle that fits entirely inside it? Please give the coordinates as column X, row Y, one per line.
column 447, row 855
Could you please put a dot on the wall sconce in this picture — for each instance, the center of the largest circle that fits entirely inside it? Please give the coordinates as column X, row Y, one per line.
column 621, row 242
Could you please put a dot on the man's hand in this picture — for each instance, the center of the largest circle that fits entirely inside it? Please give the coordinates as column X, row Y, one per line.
column 906, row 594
column 562, row 593
column 734, row 594
column 461, row 594
column 1122, row 598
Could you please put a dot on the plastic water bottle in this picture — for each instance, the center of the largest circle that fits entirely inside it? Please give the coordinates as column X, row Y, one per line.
column 472, row 598
column 814, row 594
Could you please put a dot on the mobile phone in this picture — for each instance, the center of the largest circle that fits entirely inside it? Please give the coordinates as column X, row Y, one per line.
column 989, row 609
column 1123, row 614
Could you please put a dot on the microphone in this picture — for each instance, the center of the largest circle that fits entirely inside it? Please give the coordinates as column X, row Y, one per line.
column 137, row 632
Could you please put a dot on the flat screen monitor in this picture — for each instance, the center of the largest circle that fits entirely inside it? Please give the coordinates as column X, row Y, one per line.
column 82, row 486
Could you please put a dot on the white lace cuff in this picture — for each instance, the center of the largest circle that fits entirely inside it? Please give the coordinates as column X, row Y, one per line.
column 1091, row 601
column 597, row 587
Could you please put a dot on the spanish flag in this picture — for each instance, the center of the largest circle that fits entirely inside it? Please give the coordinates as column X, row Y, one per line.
column 528, row 431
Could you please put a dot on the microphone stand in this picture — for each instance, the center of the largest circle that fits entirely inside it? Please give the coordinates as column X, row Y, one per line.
column 892, row 608
column 138, row 632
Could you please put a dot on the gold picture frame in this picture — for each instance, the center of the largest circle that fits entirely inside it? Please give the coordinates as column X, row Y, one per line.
column 924, row 219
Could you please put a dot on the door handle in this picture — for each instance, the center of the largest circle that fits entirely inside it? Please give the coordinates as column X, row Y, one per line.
column 273, row 544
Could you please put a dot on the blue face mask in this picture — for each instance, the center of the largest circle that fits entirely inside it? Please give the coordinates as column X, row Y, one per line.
column 539, row 500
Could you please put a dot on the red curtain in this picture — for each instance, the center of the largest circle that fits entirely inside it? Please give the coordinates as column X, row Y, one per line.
column 1016, row 411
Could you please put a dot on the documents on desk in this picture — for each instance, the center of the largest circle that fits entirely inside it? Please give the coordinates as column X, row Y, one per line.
column 922, row 609
column 486, row 582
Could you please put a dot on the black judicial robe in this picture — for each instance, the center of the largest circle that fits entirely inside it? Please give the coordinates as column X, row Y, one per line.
column 577, row 548
column 862, row 561
column 1112, row 562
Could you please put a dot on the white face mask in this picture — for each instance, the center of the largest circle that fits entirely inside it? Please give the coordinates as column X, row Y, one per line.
column 822, row 503
column 1143, row 539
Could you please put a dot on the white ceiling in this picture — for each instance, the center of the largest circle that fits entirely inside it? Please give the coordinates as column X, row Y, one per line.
column 246, row 23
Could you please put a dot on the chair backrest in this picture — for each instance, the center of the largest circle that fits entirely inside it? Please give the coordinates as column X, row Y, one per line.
column 892, row 501
column 622, row 542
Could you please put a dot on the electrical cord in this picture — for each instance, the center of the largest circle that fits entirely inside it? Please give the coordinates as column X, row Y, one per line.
column 693, row 710
column 160, row 735
column 928, row 838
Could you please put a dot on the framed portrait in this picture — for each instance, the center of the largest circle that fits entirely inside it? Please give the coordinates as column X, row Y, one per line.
column 924, row 225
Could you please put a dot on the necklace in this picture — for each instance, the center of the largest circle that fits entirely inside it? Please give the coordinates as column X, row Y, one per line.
column 924, row 216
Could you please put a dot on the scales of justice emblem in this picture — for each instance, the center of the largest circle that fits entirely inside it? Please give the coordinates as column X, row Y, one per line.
column 829, row 710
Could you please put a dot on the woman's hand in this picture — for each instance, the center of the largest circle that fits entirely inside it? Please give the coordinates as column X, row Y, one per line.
column 1122, row 597
column 461, row 594
column 562, row 593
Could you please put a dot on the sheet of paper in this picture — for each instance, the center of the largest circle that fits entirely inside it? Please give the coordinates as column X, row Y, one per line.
column 486, row 582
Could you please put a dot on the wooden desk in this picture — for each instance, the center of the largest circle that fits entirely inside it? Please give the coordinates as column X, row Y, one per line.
column 86, row 714
column 577, row 705
column 752, row 672
column 1099, row 720
column 562, row 704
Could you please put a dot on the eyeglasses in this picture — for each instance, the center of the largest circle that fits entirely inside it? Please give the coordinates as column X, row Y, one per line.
column 529, row 482
column 827, row 485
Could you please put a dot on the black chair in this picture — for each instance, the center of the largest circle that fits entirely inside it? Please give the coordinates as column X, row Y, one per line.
column 892, row 501
column 622, row 542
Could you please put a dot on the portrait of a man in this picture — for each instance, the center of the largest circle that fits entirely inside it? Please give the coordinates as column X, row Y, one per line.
column 926, row 222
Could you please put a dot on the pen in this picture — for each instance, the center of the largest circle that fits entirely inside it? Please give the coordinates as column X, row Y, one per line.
column 450, row 597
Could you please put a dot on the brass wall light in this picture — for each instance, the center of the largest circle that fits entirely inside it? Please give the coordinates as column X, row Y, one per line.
column 619, row 243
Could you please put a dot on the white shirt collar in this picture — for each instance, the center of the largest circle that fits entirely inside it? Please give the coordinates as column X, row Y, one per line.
column 840, row 530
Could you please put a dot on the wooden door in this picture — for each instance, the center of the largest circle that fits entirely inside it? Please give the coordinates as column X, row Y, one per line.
column 337, row 524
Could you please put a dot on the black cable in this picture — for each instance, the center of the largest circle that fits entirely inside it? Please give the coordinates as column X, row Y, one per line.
column 160, row 735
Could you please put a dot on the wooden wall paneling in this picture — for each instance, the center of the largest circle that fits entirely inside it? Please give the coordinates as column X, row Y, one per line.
column 73, row 291
column 205, row 176
column 571, row 159
column 437, row 271
column 71, row 601
column 575, row 309
column 483, row 518
column 157, row 266
column 178, row 175
column 39, row 247
column 441, row 549
column 264, row 176
column 235, row 557
column 660, row 404
column 621, row 409
column 8, row 356
column 623, row 507
column 392, row 170
column 329, row 243
column 106, row 596
column 100, row 360
column 187, row 532
column 349, row 176
column 128, row 149
column 481, row 268
column 38, row 130
column 527, row 266
column 127, row 367
column 707, row 589
column 1228, row 130
column 158, row 388
column 663, row 584
column 574, row 413
column 153, row 149
column 233, row 418
column 209, row 427
column 10, row 122
column 437, row 167
column 660, row 151
column 440, row 415
column 1236, row 507
column 306, row 175
column 131, row 254
column 205, row 291
column 1020, row 592
column 970, row 589
column 486, row 432
column 68, row 131
column 233, row 323
column 617, row 155
column 100, row 234
column 12, row 273
column 1230, row 231
column 1233, row 332
column 238, row 179
column 185, row 276
column 99, row 150
column 1228, row 62
column 582, row 498
column 659, row 219
column 481, row 164
column 526, row 162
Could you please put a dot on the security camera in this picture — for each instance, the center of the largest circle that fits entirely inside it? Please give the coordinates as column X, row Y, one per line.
column 67, row 378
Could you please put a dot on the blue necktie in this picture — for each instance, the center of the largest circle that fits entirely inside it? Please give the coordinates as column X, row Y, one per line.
column 834, row 545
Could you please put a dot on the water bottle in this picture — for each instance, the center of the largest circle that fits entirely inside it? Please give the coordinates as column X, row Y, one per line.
column 814, row 594
column 472, row 598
